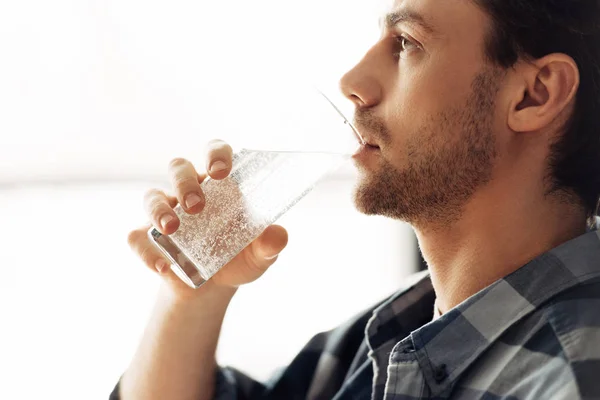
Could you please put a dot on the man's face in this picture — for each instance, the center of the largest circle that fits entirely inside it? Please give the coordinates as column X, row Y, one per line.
column 425, row 94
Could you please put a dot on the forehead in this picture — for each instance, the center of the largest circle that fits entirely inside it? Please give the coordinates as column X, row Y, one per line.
column 447, row 16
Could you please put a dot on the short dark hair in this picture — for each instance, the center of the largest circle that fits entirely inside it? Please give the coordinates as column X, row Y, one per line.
column 532, row 29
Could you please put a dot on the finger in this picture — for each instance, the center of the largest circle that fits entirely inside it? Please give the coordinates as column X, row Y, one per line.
column 140, row 243
column 218, row 159
column 186, row 184
column 159, row 208
column 266, row 248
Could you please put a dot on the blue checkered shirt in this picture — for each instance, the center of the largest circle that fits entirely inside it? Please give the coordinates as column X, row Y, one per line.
column 533, row 335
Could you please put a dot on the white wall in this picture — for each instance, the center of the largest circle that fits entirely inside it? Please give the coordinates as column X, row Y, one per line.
column 113, row 79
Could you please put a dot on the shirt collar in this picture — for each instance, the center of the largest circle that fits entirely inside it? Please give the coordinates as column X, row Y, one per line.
column 402, row 313
column 448, row 345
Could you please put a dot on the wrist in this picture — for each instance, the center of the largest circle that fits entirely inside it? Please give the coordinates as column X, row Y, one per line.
column 208, row 293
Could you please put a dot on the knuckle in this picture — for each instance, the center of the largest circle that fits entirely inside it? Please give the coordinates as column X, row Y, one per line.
column 154, row 201
column 177, row 163
column 253, row 263
column 151, row 194
column 147, row 256
column 185, row 190
column 185, row 181
column 134, row 238
column 158, row 209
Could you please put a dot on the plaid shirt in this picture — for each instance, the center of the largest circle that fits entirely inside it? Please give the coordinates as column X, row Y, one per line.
column 533, row 335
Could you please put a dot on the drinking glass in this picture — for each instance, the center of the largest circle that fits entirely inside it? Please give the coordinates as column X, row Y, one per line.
column 262, row 186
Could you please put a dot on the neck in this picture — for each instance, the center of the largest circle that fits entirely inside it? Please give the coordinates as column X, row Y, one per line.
column 498, row 233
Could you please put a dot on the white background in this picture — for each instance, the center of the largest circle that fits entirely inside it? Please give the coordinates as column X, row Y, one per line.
column 95, row 98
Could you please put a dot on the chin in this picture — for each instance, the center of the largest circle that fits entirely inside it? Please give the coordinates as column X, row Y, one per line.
column 368, row 197
column 384, row 194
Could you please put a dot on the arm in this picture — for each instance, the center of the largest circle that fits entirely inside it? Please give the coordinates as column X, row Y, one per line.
column 176, row 357
column 311, row 373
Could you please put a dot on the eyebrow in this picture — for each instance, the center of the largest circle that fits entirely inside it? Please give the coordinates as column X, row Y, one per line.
column 407, row 16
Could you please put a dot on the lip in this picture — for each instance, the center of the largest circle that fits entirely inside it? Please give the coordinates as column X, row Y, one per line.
column 365, row 150
column 365, row 140
column 369, row 142
column 361, row 137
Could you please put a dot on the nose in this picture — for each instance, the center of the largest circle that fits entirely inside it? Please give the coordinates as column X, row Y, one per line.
column 361, row 85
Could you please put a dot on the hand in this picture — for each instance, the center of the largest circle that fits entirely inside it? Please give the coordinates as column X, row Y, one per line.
column 246, row 267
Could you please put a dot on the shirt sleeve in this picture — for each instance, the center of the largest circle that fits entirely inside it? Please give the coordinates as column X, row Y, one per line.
column 318, row 370
column 114, row 395
column 228, row 383
column 291, row 382
column 232, row 384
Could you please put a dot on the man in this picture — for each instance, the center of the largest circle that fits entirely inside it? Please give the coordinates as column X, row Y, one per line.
column 483, row 124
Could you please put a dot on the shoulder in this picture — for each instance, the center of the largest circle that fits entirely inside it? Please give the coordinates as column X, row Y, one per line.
column 554, row 352
column 574, row 317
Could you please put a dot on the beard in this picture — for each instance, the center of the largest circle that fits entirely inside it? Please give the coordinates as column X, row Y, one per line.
column 449, row 158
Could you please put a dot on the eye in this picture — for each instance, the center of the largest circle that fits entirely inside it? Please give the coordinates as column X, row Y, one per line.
column 404, row 45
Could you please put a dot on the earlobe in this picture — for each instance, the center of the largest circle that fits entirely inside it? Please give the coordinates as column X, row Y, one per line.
column 547, row 87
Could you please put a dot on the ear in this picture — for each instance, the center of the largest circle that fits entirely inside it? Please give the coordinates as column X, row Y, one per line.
column 546, row 88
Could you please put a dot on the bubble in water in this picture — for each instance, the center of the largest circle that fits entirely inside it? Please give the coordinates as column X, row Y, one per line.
column 261, row 188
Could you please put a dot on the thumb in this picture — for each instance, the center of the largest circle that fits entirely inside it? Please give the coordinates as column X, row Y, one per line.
column 256, row 258
column 269, row 244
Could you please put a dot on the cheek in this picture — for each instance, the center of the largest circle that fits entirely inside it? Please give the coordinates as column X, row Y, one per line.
column 438, row 79
column 413, row 102
column 424, row 91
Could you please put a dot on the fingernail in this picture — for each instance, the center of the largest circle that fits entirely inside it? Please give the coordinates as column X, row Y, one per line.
column 161, row 266
column 165, row 220
column 218, row 166
column 191, row 200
